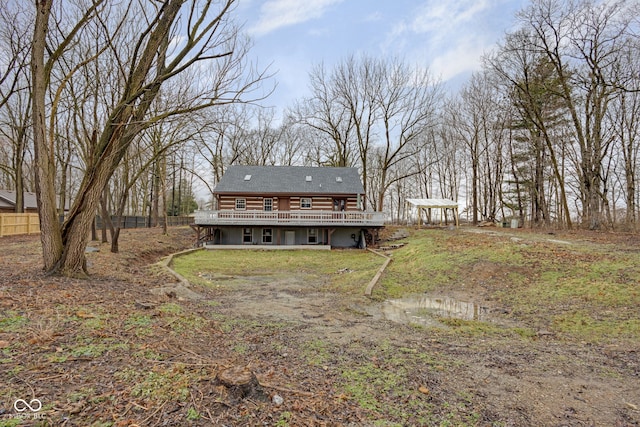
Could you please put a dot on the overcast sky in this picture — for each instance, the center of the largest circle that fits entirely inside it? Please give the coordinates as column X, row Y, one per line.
column 447, row 36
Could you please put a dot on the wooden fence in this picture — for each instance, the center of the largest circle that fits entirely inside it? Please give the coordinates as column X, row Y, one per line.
column 29, row 223
column 143, row 221
column 19, row 223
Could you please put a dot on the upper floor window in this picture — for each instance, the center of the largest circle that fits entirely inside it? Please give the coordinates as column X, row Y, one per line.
column 268, row 205
column 305, row 203
column 241, row 204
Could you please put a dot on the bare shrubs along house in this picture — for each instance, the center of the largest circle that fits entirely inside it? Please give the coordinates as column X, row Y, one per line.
column 288, row 206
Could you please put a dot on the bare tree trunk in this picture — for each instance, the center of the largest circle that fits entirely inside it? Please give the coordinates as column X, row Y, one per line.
column 52, row 245
column 19, row 179
column 474, row 183
column 20, row 148
column 155, row 213
column 75, row 230
column 106, row 217
column 209, row 36
column 163, row 174
column 94, row 231
column 119, row 212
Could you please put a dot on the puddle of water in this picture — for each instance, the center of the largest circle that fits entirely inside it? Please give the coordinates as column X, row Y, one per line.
column 426, row 310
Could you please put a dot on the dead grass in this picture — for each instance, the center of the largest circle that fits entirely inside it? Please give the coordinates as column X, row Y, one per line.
column 107, row 352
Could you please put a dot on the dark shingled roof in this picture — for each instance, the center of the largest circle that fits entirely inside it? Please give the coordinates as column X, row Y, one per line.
column 289, row 180
column 8, row 199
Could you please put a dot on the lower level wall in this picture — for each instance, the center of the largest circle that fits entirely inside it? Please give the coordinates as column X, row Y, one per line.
column 340, row 237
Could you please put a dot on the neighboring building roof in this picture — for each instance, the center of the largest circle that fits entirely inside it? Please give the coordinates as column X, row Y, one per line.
column 8, row 199
column 433, row 203
column 289, row 180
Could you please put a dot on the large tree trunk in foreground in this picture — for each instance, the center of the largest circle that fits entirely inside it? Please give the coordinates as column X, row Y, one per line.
column 76, row 229
column 45, row 172
column 209, row 36
column 64, row 248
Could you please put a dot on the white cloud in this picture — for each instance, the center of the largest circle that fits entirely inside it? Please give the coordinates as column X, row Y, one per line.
column 449, row 36
column 374, row 17
column 461, row 58
column 444, row 19
column 276, row 14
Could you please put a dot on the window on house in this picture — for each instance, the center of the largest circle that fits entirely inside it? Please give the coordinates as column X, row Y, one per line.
column 267, row 235
column 247, row 235
column 305, row 203
column 268, row 205
column 312, row 235
column 241, row 204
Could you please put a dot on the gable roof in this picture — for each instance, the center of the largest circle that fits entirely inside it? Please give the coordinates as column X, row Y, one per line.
column 8, row 199
column 289, row 180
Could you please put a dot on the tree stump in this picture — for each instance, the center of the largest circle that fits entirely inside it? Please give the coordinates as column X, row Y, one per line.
column 241, row 383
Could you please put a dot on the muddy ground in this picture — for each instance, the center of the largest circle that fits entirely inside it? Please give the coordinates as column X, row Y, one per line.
column 108, row 352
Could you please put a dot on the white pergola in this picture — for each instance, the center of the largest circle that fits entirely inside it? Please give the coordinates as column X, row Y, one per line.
column 442, row 204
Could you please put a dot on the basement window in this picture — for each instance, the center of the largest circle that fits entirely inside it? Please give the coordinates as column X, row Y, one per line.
column 247, row 236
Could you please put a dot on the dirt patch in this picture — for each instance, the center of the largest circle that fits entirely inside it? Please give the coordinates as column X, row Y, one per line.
column 108, row 352
column 545, row 382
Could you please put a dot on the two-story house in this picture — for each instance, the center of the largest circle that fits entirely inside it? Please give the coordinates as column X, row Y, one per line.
column 288, row 205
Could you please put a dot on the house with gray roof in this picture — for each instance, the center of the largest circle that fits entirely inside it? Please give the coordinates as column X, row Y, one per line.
column 288, row 206
column 8, row 201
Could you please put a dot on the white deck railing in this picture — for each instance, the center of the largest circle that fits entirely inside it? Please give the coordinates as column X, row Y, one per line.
column 301, row 218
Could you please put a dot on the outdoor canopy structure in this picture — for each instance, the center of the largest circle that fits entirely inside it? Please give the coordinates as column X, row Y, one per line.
column 442, row 204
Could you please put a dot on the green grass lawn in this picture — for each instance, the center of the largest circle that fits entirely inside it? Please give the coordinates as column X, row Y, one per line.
column 585, row 290
column 202, row 266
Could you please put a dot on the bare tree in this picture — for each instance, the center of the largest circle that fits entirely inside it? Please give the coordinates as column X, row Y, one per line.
column 15, row 131
column 333, row 120
column 465, row 116
column 448, row 162
column 292, row 142
column 167, row 47
column 221, row 141
column 531, row 86
column 626, row 118
column 381, row 110
column 407, row 101
column 261, row 139
column 15, row 25
column 15, row 94
column 583, row 42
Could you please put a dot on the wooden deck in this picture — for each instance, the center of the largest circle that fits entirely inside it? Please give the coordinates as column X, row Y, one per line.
column 304, row 218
